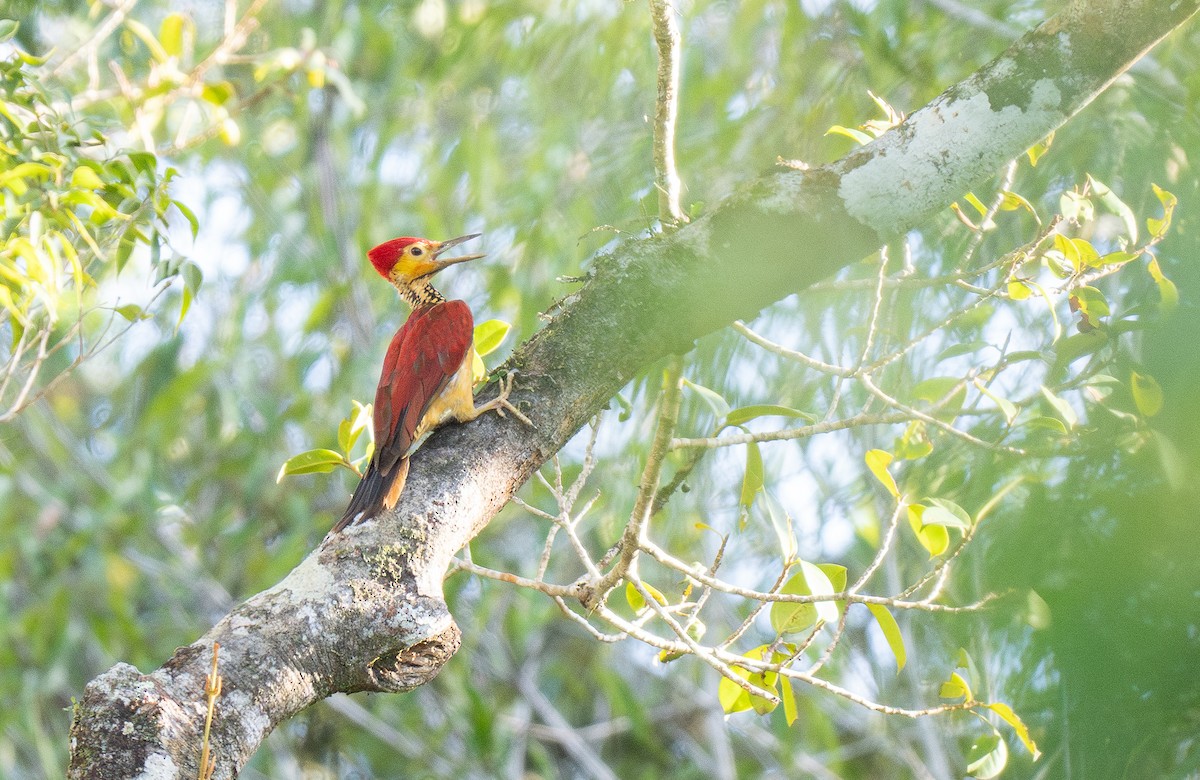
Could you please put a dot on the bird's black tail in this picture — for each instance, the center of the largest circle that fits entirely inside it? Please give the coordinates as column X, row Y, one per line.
column 375, row 493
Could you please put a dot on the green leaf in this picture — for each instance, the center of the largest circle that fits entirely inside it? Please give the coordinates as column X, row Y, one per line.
column 1110, row 201
column 891, row 632
column 8, row 28
column 1119, row 258
column 218, row 93
column 782, row 523
column 1007, row 407
column 1022, row 731
column 351, row 428
column 489, row 334
column 964, row 348
column 86, row 178
column 1076, row 346
column 934, row 538
column 1048, row 423
column 1075, row 207
column 1088, row 255
column 189, row 215
column 1078, row 252
column 317, row 461
column 955, row 688
column 914, row 443
column 836, row 574
column 946, row 513
column 1064, row 409
column 877, row 462
column 1168, row 293
column 1147, row 394
column 1090, row 301
column 1036, row 151
column 790, row 713
column 132, row 312
column 752, row 482
column 174, row 27
column 636, row 601
column 1158, row 227
column 731, row 696
column 1011, row 201
column 987, row 757
column 184, row 305
column 141, row 31
column 790, row 617
column 745, row 414
column 1037, row 612
column 857, row 136
column 719, row 405
column 941, row 390
column 734, row 698
column 976, row 203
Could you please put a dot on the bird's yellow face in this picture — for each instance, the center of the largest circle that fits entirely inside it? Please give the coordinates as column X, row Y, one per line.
column 406, row 260
column 418, row 259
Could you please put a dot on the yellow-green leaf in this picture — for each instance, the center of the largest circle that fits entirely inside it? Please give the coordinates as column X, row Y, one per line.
column 1036, row 151
column 1158, row 227
column 489, row 335
column 1147, row 394
column 745, row 414
column 790, row 617
column 1064, row 409
column 955, row 688
column 752, row 482
column 857, row 136
column 714, row 399
column 1113, row 203
column 1018, row 290
column 318, row 461
column 1168, row 293
column 141, row 31
column 891, row 632
column 1011, row 201
column 1022, row 731
column 732, row 697
column 946, row 513
column 175, row 28
column 1007, row 407
column 877, row 462
column 934, row 538
column 790, row 713
column 987, row 756
column 86, row 178
column 976, row 203
column 636, row 601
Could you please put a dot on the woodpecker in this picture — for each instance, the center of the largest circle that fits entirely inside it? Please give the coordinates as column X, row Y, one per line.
column 426, row 378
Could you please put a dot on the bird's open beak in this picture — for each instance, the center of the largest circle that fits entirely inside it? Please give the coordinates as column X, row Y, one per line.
column 453, row 242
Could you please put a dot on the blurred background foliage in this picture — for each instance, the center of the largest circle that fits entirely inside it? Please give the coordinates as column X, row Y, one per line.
column 138, row 498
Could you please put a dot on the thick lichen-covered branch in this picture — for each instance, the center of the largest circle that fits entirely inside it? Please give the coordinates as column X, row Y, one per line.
column 365, row 611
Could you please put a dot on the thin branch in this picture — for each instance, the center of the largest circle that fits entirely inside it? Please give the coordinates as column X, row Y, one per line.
column 635, row 530
column 858, row 420
column 103, row 30
column 666, row 178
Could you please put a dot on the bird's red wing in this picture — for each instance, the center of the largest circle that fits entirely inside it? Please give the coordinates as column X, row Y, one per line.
column 423, row 356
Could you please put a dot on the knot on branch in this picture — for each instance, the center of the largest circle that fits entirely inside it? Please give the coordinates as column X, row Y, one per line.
column 403, row 670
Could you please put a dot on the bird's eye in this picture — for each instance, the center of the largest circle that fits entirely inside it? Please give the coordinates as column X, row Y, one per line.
column 417, row 251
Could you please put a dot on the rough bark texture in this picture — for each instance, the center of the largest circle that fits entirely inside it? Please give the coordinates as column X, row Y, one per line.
column 365, row 610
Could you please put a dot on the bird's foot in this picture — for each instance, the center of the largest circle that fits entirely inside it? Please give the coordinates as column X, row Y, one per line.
column 500, row 403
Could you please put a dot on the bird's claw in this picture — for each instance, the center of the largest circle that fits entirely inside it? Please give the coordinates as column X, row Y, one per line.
column 502, row 403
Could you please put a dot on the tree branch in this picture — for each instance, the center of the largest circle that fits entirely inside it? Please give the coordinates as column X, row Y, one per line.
column 365, row 611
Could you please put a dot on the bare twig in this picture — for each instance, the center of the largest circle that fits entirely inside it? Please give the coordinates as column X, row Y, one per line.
column 666, row 178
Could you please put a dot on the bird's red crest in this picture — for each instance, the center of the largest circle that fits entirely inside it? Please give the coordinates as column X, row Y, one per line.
column 384, row 256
